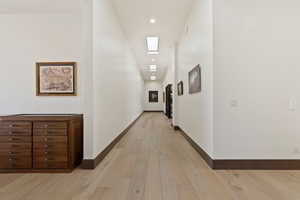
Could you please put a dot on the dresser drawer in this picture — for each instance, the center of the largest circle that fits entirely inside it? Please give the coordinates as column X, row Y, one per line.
column 50, row 146
column 15, row 132
column 19, row 162
column 50, row 158
column 15, row 139
column 51, row 139
column 15, row 146
column 15, row 125
column 15, row 128
column 55, row 152
column 15, row 152
column 50, row 165
column 50, row 131
column 50, row 125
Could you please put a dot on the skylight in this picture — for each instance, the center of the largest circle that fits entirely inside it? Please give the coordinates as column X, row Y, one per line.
column 153, row 68
column 152, row 44
column 153, row 78
column 153, row 52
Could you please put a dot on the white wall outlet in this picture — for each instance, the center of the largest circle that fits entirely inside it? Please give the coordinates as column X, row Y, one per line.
column 234, row 103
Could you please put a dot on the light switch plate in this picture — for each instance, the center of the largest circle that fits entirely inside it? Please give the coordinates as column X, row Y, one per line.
column 234, row 103
column 292, row 105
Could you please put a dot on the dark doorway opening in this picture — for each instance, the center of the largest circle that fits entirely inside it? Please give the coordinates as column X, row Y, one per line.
column 169, row 101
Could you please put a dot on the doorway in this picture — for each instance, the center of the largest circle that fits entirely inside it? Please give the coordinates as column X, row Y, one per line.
column 169, row 101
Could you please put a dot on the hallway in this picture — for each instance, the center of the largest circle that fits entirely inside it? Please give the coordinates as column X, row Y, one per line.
column 152, row 162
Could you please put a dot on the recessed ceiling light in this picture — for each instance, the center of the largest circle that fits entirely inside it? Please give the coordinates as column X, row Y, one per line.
column 152, row 78
column 153, row 52
column 153, row 68
column 152, row 21
column 152, row 43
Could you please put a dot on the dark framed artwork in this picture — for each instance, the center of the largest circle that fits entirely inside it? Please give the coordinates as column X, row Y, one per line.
column 56, row 79
column 153, row 96
column 180, row 88
column 195, row 80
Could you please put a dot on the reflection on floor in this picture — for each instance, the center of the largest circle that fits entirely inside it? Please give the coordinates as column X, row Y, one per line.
column 152, row 162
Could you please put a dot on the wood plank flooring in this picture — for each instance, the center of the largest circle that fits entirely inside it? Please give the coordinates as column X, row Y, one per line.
column 152, row 162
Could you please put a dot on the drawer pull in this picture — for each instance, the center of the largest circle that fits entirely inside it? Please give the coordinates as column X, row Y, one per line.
column 14, row 139
column 14, row 133
column 50, row 132
column 48, row 153
column 49, row 159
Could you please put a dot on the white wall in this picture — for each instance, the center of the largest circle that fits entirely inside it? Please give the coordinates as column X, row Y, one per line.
column 110, row 88
column 257, row 71
column 153, row 86
column 87, row 73
column 169, row 78
column 30, row 38
column 194, row 112
column 249, row 58
column 118, row 86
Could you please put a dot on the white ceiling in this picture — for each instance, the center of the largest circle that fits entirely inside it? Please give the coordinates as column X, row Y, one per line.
column 39, row 6
column 170, row 18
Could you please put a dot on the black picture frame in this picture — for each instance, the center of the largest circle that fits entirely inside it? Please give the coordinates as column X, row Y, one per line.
column 153, row 96
column 195, row 79
column 180, row 90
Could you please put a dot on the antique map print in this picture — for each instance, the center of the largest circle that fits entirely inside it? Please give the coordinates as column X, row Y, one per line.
column 57, row 79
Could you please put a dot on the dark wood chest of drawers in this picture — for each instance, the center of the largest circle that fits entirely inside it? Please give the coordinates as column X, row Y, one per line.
column 41, row 143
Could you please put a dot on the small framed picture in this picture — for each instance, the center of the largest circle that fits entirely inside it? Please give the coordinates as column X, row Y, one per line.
column 180, row 88
column 56, row 79
column 195, row 80
column 153, row 96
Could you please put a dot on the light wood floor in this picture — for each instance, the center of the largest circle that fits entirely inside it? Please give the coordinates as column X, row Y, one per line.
column 152, row 162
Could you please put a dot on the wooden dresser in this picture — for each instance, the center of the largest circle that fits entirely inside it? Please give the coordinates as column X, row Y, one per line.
column 41, row 143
